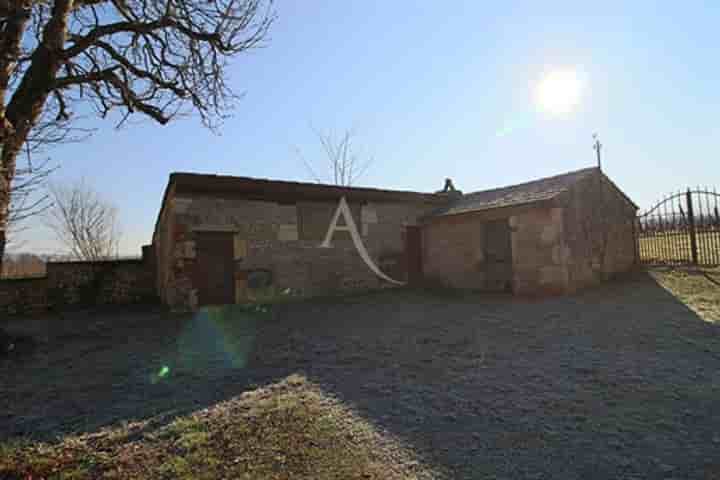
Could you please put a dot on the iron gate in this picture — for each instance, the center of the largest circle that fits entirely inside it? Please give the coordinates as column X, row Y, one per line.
column 682, row 228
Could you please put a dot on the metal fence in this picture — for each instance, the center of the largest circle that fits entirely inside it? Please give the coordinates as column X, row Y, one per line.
column 681, row 229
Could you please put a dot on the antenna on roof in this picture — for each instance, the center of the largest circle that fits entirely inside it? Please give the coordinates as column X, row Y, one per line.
column 597, row 146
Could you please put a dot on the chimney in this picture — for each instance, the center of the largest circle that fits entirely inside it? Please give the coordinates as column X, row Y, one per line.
column 449, row 190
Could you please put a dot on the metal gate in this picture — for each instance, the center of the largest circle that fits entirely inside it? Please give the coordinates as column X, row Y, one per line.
column 681, row 229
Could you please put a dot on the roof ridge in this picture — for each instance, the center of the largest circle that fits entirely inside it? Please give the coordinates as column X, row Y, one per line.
column 175, row 175
column 541, row 189
column 537, row 180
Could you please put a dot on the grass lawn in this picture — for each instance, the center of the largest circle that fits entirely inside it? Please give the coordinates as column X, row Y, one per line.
column 290, row 429
column 699, row 289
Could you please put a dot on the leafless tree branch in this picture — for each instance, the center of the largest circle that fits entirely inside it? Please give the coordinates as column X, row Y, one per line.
column 28, row 197
column 345, row 164
column 159, row 58
column 84, row 222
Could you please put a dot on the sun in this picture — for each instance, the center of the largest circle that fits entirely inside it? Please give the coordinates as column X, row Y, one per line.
column 558, row 92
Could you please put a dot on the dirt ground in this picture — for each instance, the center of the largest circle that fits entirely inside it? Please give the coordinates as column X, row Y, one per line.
column 622, row 381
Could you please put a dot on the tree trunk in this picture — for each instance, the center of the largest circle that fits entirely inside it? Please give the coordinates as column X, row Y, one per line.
column 27, row 102
column 8, row 158
column 3, row 240
column 15, row 24
column 4, row 336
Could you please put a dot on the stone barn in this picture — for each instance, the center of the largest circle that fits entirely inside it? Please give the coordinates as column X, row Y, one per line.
column 222, row 239
column 552, row 235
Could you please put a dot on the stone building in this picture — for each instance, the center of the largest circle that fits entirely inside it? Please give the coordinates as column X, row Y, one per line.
column 552, row 235
column 221, row 239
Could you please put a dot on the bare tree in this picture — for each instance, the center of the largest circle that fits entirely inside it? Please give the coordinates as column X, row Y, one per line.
column 28, row 198
column 345, row 164
column 84, row 222
column 159, row 58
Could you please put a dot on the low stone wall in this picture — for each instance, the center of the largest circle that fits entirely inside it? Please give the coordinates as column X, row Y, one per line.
column 70, row 284
column 92, row 283
column 23, row 296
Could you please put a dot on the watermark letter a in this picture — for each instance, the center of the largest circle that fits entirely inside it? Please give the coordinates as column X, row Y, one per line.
column 344, row 211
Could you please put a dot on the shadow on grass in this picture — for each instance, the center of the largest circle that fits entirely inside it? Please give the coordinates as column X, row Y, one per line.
column 616, row 381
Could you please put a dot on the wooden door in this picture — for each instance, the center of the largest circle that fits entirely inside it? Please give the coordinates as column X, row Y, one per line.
column 413, row 254
column 214, row 268
column 498, row 256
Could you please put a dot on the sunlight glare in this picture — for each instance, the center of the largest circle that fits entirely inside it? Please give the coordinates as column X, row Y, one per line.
column 558, row 92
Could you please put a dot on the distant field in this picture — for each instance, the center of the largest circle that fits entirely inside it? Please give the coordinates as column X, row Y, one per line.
column 674, row 247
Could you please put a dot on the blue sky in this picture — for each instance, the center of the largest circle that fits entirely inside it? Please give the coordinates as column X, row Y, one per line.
column 428, row 87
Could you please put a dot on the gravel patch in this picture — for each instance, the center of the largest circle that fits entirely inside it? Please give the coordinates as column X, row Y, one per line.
column 621, row 381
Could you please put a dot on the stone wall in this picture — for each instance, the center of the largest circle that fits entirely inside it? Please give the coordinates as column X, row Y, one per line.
column 91, row 283
column 558, row 246
column 555, row 248
column 70, row 284
column 284, row 239
column 599, row 231
column 454, row 249
column 539, row 252
column 453, row 252
column 23, row 296
column 163, row 244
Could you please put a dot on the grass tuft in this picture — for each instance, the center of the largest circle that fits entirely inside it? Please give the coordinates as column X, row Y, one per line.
column 286, row 430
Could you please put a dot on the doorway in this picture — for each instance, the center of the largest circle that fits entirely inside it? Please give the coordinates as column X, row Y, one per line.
column 498, row 256
column 214, row 268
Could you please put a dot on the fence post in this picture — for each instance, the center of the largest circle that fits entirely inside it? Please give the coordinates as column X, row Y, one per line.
column 636, row 239
column 691, row 224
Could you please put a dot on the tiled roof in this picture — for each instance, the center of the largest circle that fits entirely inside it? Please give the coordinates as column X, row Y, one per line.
column 523, row 193
column 265, row 189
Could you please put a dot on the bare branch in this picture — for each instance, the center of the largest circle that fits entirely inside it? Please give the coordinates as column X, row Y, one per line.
column 307, row 164
column 27, row 198
column 160, row 58
column 84, row 222
column 344, row 163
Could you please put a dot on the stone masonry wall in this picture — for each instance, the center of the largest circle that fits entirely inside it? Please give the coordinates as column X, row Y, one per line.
column 454, row 249
column 453, row 252
column 598, row 223
column 539, row 252
column 79, row 283
column 285, row 240
column 162, row 245
column 91, row 283
column 23, row 296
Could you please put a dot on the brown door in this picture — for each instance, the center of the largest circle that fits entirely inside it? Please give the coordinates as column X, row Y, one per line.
column 413, row 253
column 214, row 268
column 498, row 256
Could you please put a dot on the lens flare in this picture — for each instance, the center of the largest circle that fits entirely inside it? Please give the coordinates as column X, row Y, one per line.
column 213, row 342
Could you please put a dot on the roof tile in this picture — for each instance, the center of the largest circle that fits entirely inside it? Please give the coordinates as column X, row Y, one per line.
column 523, row 193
